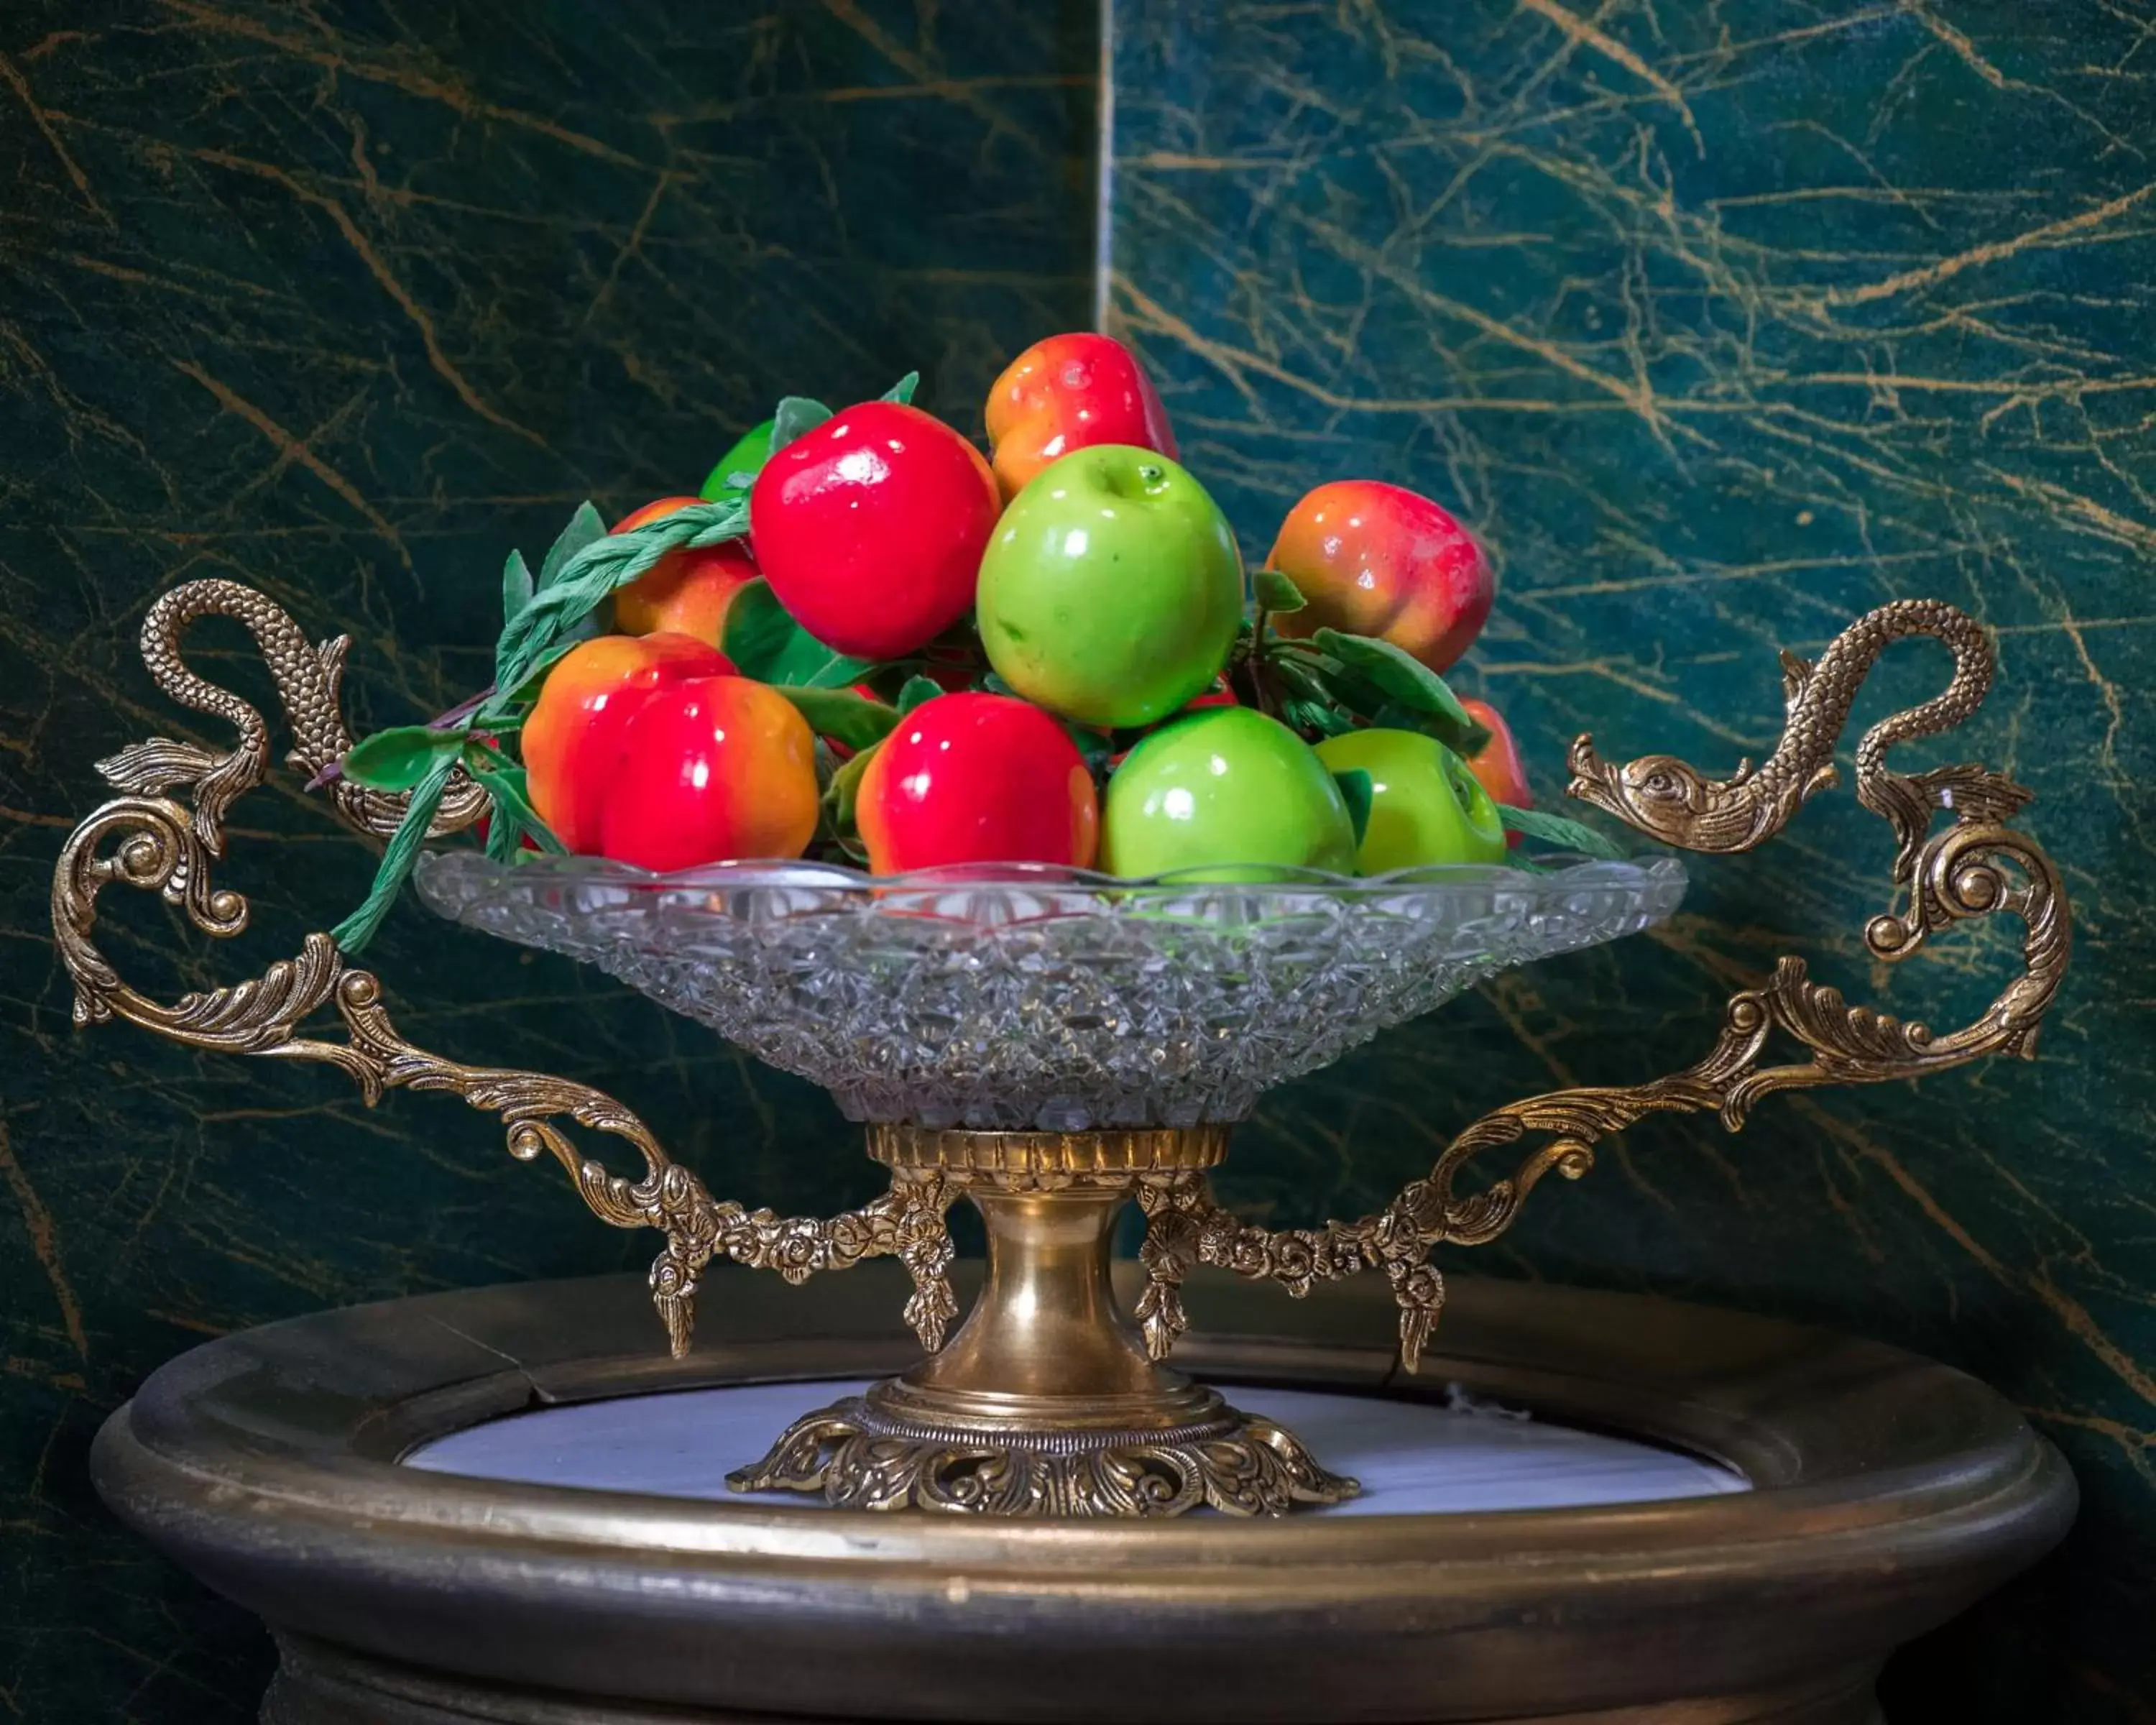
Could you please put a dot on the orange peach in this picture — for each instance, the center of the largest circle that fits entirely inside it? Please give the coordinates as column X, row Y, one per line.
column 685, row 592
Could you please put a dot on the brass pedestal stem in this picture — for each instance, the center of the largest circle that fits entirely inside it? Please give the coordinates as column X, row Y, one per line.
column 1045, row 1402
column 1044, row 1344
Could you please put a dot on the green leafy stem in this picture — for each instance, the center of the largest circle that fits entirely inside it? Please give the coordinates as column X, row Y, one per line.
column 543, row 617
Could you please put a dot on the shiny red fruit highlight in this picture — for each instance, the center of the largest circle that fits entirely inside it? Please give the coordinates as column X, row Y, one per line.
column 870, row 528
column 968, row 778
column 715, row 769
column 572, row 742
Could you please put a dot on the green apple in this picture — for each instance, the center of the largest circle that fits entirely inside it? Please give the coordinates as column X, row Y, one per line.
column 1425, row 805
column 1226, row 789
column 1112, row 590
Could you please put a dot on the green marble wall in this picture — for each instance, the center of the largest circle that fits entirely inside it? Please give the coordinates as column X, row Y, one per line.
column 1721, row 322
column 1724, row 323
column 345, row 299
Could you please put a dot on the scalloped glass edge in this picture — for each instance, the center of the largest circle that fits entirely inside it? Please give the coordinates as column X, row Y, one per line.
column 1015, row 996
column 1034, row 877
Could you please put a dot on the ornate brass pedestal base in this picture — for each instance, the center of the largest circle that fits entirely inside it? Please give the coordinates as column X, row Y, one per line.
column 861, row 1455
column 1045, row 1402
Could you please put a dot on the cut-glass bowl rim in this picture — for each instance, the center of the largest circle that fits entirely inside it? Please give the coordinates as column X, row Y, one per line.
column 1554, row 871
column 1033, row 997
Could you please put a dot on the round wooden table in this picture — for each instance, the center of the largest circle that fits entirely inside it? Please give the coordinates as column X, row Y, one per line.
column 508, row 1505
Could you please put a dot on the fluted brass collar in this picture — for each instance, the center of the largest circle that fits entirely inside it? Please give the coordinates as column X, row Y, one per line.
column 1030, row 1154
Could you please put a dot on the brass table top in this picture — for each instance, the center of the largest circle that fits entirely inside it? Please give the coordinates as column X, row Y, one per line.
column 1890, row 1492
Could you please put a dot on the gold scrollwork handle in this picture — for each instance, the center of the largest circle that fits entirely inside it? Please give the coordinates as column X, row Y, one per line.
column 308, row 676
column 1975, row 866
column 146, row 840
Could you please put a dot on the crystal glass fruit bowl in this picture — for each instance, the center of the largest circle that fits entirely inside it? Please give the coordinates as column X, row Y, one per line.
column 1022, row 997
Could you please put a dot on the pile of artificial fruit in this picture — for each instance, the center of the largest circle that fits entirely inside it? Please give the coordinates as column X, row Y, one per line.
column 864, row 641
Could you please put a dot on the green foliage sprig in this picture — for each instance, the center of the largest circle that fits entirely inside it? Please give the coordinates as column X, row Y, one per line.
column 542, row 618
column 1331, row 682
column 1557, row 832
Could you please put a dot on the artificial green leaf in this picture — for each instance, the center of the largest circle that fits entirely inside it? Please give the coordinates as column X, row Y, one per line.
column 903, row 390
column 1358, row 790
column 585, row 526
column 517, row 586
column 796, row 414
column 995, row 685
column 507, row 789
column 1365, row 679
column 505, row 832
column 844, row 790
column 1398, row 672
column 1555, row 830
column 1276, row 593
column 1317, row 715
column 916, row 690
column 611, row 561
column 842, row 715
column 398, row 758
column 828, row 762
column 584, row 628
column 1313, row 702
column 766, row 644
column 736, row 469
column 1303, row 676
column 402, row 850
column 504, row 838
column 758, row 629
column 503, row 710
column 1323, row 676
column 826, row 670
column 1391, row 715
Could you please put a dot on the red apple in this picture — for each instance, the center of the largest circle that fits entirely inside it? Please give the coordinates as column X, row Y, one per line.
column 713, row 769
column 971, row 778
column 685, row 592
column 870, row 528
column 1373, row 559
column 1070, row 393
column 571, row 743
